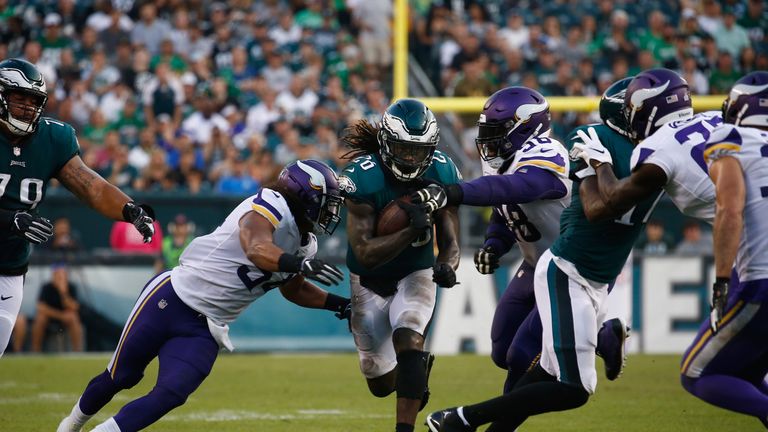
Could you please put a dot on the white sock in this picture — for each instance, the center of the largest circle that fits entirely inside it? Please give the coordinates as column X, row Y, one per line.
column 460, row 412
column 78, row 417
column 108, row 426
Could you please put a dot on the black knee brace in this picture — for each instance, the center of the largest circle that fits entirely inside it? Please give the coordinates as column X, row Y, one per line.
column 411, row 374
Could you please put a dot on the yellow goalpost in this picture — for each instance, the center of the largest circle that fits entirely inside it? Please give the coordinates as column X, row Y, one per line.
column 475, row 104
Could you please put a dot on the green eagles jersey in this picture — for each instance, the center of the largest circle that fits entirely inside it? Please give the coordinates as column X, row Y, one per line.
column 25, row 170
column 366, row 180
column 600, row 249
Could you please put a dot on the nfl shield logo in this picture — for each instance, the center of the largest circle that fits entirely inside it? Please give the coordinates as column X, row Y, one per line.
column 17, row 151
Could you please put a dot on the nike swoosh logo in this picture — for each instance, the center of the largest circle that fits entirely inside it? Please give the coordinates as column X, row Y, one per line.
column 599, row 151
column 351, row 169
column 4, row 298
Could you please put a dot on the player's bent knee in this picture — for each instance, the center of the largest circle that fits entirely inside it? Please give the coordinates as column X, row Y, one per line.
column 171, row 398
column 380, row 388
column 411, row 374
column 126, row 381
column 687, row 383
column 406, row 339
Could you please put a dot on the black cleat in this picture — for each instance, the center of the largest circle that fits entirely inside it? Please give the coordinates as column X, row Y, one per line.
column 447, row 421
column 611, row 343
column 425, row 397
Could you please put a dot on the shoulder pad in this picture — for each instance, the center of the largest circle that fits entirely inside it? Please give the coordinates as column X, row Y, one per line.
column 545, row 153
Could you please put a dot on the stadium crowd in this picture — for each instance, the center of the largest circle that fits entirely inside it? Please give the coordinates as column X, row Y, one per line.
column 217, row 96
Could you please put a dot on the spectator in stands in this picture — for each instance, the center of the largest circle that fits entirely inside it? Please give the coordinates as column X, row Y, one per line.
column 374, row 18
column 696, row 79
column 755, row 21
column 721, row 79
column 516, row 33
column 239, row 181
column 656, row 241
column 119, row 172
column 200, row 125
column 278, row 75
column 19, row 335
column 52, row 40
column 180, row 233
column 118, row 28
column 730, row 36
column 57, row 304
column 122, row 238
column 163, row 95
column 695, row 242
column 150, row 30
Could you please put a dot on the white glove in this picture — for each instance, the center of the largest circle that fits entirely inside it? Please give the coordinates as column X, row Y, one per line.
column 590, row 149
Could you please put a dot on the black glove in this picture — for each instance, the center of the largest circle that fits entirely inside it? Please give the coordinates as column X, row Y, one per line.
column 486, row 260
column 443, row 275
column 320, row 271
column 142, row 217
column 719, row 300
column 346, row 313
column 421, row 218
column 34, row 228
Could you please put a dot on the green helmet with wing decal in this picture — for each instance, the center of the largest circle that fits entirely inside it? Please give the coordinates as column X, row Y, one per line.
column 612, row 106
column 408, row 137
column 22, row 77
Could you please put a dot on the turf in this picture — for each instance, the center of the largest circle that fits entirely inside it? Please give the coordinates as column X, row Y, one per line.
column 326, row 393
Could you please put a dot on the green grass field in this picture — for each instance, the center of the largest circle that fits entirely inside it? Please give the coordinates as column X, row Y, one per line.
column 326, row 393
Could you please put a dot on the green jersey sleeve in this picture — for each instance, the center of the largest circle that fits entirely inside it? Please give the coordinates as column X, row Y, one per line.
column 362, row 179
column 443, row 169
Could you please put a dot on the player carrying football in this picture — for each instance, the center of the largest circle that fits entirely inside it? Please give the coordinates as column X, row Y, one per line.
column 182, row 315
column 34, row 150
column 394, row 276
column 725, row 364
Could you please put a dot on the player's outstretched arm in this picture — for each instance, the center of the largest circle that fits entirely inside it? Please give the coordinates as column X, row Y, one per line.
column 373, row 251
column 256, row 241
column 447, row 261
column 619, row 196
column 105, row 197
column 730, row 193
column 299, row 291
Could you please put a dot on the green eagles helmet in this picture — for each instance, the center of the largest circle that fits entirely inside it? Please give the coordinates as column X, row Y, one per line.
column 612, row 106
column 408, row 137
column 21, row 76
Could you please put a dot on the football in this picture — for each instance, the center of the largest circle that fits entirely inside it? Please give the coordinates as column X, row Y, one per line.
column 392, row 218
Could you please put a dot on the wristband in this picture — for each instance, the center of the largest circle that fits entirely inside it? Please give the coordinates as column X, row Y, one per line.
column 335, row 303
column 723, row 280
column 289, row 263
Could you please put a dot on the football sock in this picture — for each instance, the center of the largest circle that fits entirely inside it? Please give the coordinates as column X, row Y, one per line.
column 77, row 417
column 98, row 393
column 108, row 426
column 403, row 427
column 729, row 392
column 536, row 393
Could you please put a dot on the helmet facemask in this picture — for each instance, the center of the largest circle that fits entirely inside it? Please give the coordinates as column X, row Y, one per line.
column 21, row 125
column 407, row 160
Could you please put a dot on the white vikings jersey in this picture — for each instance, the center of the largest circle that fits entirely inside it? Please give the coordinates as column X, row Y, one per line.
column 214, row 276
column 750, row 147
column 677, row 148
column 536, row 224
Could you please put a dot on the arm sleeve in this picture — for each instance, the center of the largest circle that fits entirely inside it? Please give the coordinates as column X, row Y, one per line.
column 523, row 186
column 498, row 236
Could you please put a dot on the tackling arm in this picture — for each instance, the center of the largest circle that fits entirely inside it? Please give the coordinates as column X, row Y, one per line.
column 730, row 194
column 619, row 196
column 373, row 251
column 256, row 241
column 524, row 185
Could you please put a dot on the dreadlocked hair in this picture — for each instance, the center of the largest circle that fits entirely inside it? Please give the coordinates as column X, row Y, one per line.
column 361, row 138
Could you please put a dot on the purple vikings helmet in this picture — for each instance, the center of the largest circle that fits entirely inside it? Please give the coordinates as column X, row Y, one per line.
column 510, row 117
column 747, row 102
column 317, row 186
column 654, row 98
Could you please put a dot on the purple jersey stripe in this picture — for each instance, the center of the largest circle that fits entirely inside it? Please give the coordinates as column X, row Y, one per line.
column 262, row 202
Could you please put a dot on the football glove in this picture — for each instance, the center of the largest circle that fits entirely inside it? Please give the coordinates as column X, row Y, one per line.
column 320, row 271
column 486, row 260
column 420, row 216
column 142, row 217
column 590, row 149
column 719, row 300
column 433, row 197
column 34, row 228
column 443, row 275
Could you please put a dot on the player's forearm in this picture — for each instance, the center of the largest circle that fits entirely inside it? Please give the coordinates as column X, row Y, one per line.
column 498, row 235
column 447, row 228
column 595, row 209
column 265, row 255
column 610, row 192
column 727, row 234
column 517, row 188
column 108, row 200
column 372, row 252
